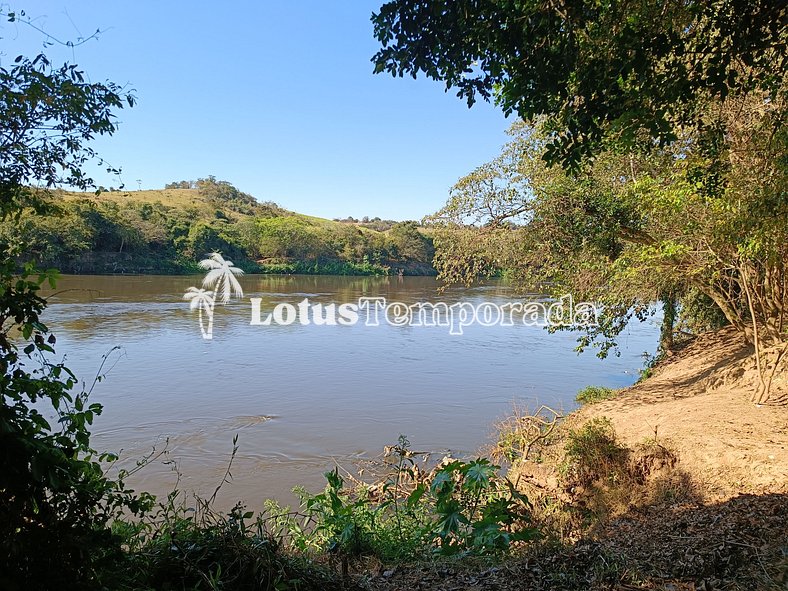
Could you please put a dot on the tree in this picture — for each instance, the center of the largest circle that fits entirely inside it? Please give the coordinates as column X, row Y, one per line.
column 632, row 230
column 669, row 122
column 49, row 115
column 224, row 194
column 408, row 244
column 181, row 185
column 203, row 238
column 599, row 71
column 56, row 503
column 289, row 237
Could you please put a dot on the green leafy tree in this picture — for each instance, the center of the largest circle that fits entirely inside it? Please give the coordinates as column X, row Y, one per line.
column 289, row 237
column 599, row 71
column 202, row 239
column 55, row 500
column 669, row 122
column 49, row 116
column 408, row 244
column 632, row 230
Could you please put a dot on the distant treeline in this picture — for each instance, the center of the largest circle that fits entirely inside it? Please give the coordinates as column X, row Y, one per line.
column 373, row 223
column 169, row 231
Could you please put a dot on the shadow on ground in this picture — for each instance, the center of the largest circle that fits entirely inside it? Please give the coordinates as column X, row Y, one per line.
column 740, row 544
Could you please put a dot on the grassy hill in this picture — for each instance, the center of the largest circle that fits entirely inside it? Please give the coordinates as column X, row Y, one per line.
column 169, row 230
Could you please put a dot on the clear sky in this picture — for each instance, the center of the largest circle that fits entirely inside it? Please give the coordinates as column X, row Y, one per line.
column 277, row 98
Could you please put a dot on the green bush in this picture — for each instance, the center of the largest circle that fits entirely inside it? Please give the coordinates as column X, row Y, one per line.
column 178, row 547
column 592, row 394
column 464, row 507
column 89, row 235
column 323, row 268
column 56, row 503
column 593, row 453
column 475, row 512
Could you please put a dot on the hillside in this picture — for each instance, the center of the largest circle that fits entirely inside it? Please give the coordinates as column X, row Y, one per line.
column 169, row 230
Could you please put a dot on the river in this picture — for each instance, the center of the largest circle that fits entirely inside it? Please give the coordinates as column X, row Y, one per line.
column 304, row 397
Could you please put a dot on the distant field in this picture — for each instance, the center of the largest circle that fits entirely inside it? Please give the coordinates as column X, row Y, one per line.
column 169, row 197
column 181, row 199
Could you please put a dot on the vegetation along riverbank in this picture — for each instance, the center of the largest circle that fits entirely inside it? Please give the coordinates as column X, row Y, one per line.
column 167, row 231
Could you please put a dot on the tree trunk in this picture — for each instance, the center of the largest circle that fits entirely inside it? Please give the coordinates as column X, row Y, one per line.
column 668, row 321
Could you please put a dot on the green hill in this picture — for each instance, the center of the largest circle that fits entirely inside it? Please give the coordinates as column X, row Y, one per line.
column 169, row 230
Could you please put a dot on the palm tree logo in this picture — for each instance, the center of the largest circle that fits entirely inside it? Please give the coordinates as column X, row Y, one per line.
column 222, row 285
column 202, row 301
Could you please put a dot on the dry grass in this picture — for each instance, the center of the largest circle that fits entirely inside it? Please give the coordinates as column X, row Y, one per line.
column 179, row 199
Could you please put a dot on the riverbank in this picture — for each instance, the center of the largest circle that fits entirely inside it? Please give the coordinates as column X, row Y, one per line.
column 128, row 264
column 698, row 404
column 638, row 491
column 678, row 482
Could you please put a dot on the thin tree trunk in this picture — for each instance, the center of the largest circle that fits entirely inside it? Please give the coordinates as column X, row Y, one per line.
column 668, row 322
column 762, row 392
column 728, row 311
column 780, row 355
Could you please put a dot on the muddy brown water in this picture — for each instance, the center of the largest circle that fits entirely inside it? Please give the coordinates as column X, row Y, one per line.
column 302, row 398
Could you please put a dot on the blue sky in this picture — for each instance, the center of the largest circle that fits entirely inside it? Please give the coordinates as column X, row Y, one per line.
column 276, row 97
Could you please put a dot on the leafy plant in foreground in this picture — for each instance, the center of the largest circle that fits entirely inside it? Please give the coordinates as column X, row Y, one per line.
column 56, row 502
column 475, row 511
column 180, row 547
column 461, row 507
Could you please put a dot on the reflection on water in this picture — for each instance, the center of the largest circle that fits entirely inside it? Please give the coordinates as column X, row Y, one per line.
column 303, row 397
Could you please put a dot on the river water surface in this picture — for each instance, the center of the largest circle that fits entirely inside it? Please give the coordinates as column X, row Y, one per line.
column 301, row 398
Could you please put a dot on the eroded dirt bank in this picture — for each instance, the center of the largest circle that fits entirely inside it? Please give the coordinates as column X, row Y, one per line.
column 690, row 491
column 698, row 404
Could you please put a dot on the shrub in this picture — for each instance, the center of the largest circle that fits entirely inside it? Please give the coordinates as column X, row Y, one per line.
column 56, row 502
column 524, row 435
column 593, row 453
column 462, row 507
column 197, row 548
column 475, row 512
column 592, row 394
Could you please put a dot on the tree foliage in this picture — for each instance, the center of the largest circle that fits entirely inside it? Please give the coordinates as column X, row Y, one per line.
column 669, row 122
column 118, row 233
column 597, row 70
column 49, row 116
column 56, row 502
column 678, row 225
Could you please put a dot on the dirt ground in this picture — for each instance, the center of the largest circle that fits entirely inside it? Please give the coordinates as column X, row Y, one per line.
column 698, row 405
column 727, row 530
